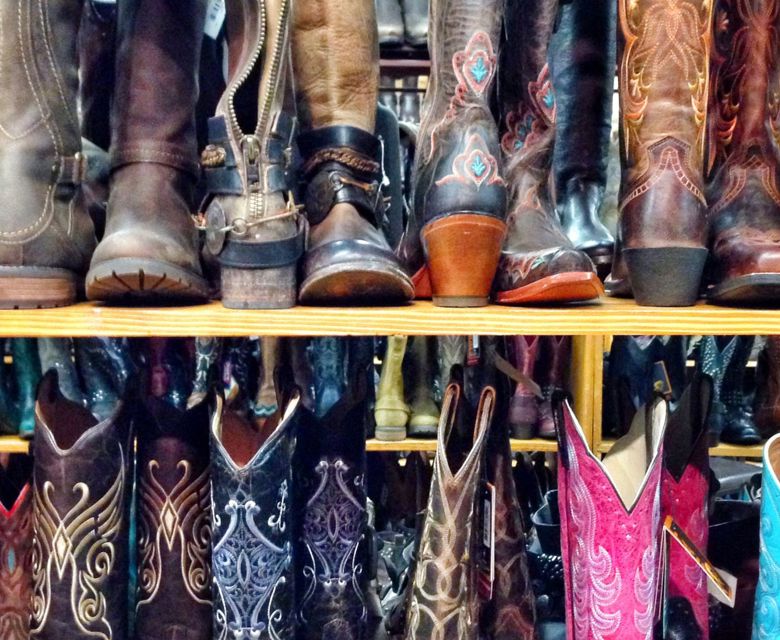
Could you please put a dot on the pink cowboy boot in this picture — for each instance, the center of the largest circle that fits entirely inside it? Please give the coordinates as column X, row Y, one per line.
column 611, row 527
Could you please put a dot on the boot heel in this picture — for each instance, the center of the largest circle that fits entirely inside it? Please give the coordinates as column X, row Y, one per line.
column 259, row 288
column 666, row 276
column 463, row 252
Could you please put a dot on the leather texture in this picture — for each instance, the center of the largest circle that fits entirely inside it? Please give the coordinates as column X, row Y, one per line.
column 582, row 65
column 536, row 246
column 173, row 599
column 252, row 560
column 766, row 618
column 610, row 549
column 524, row 405
column 44, row 222
column 556, row 354
column 16, row 532
column 82, row 488
column 744, row 197
column 444, row 602
column 713, row 358
column 740, row 426
column 424, row 417
column 767, row 400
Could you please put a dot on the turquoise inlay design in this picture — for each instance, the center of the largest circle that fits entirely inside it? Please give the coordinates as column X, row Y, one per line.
column 479, row 71
column 11, row 560
column 478, row 166
column 549, row 99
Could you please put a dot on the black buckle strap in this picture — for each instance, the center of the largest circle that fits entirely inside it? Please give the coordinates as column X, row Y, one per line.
column 265, row 255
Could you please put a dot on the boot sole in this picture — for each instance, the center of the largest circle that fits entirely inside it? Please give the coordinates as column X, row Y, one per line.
column 37, row 287
column 754, row 288
column 575, row 286
column 360, row 282
column 666, row 276
column 144, row 281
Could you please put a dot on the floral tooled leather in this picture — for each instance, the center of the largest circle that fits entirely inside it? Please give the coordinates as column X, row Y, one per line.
column 610, row 553
column 766, row 616
column 16, row 567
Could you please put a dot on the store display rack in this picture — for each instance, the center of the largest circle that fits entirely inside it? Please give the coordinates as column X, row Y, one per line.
column 589, row 324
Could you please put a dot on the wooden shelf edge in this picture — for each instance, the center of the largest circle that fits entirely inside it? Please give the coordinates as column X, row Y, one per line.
column 13, row 444
column 723, row 450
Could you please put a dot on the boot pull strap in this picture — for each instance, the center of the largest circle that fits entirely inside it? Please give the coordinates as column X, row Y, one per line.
column 485, row 411
column 449, row 410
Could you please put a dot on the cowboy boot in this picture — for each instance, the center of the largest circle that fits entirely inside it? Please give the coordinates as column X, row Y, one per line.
column 391, row 413
column 252, row 490
column 16, row 531
column 27, row 371
column 173, row 598
column 450, row 352
column 712, row 361
column 523, row 413
column 424, row 417
column 416, row 22
column 207, row 353
column 557, row 356
column 46, row 236
column 663, row 83
column 611, row 586
column 389, row 22
column 685, row 494
column 105, row 366
column 453, row 238
column 253, row 224
column 538, row 262
column 331, row 545
column 767, row 401
column 348, row 258
column 149, row 249
column 82, row 491
column 510, row 613
column 582, row 66
column 766, row 622
column 57, row 353
column 444, row 602
column 743, row 193
column 265, row 405
column 740, row 426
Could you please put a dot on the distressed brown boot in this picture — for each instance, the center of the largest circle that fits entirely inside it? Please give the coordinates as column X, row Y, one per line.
column 744, row 196
column 46, row 236
column 664, row 79
column 247, row 162
column 149, row 250
column 348, row 259
column 538, row 262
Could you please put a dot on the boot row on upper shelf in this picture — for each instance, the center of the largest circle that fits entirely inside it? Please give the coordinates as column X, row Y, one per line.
column 745, row 389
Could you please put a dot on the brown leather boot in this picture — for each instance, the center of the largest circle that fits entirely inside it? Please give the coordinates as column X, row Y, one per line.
column 453, row 238
column 744, row 197
column 46, row 236
column 523, row 412
column 556, row 361
column 348, row 259
column 664, row 77
column 247, row 162
column 538, row 263
column 149, row 250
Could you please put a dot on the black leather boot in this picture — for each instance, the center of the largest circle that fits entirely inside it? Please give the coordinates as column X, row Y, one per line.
column 739, row 425
column 714, row 355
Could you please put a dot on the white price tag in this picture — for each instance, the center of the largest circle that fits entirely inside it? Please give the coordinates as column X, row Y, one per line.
column 215, row 18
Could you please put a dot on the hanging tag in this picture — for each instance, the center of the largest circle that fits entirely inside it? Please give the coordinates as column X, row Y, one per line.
column 215, row 18
column 473, row 354
column 721, row 584
column 662, row 385
column 486, row 547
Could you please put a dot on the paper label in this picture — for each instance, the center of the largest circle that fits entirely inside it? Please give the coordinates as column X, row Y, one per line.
column 661, row 383
column 215, row 18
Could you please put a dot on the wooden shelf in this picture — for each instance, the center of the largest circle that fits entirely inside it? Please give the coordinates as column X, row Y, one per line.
column 14, row 444
column 608, row 317
column 723, row 450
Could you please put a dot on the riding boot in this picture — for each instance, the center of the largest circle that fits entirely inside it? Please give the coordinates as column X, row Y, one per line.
column 582, row 66
column 46, row 236
column 453, row 238
column 82, row 486
column 16, row 557
column 149, row 249
column 331, row 543
column 743, row 193
column 767, row 400
column 524, row 404
column 663, row 84
column 538, row 262
column 740, row 426
column 424, row 417
column 173, row 598
column 254, row 227
column 391, row 413
column 252, row 493
column 685, row 494
column 348, row 258
column 556, row 354
column 444, row 602
column 611, row 585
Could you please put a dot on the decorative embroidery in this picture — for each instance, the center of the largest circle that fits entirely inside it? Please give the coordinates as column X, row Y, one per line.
column 737, row 179
column 766, row 623
column 165, row 518
column 475, row 165
column 645, row 584
column 332, row 531
column 15, row 532
column 528, row 126
column 80, row 543
column 248, row 568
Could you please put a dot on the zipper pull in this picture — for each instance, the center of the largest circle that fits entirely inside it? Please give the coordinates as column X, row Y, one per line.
column 251, row 149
